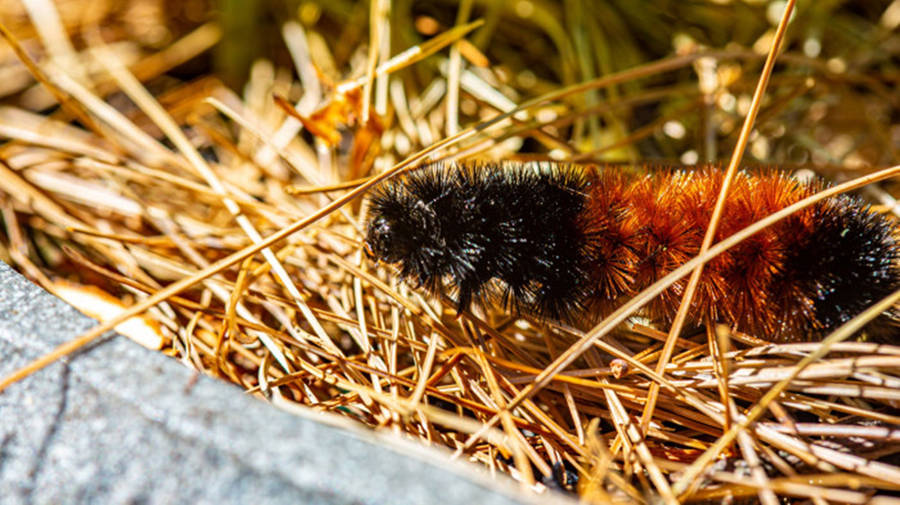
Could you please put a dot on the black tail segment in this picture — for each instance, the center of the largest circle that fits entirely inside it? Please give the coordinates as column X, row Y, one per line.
column 851, row 262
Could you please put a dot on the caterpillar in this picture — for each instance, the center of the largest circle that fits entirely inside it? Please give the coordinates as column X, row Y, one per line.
column 572, row 242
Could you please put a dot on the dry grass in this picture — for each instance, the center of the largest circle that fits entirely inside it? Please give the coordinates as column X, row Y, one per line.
column 239, row 224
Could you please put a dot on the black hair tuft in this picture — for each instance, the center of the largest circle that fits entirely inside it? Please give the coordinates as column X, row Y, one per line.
column 488, row 233
column 848, row 264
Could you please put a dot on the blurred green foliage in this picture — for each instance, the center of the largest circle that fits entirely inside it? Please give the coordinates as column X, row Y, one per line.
column 850, row 49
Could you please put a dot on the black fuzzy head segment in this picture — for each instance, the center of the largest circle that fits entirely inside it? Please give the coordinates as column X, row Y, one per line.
column 507, row 233
column 398, row 232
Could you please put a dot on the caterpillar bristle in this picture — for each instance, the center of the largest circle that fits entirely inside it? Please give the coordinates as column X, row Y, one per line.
column 571, row 243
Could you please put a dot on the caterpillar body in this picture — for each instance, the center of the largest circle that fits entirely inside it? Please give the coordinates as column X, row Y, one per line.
column 572, row 242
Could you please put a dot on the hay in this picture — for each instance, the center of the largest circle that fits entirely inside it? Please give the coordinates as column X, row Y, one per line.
column 160, row 192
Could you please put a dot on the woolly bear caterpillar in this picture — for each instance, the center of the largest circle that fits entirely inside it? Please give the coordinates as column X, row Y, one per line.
column 568, row 242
